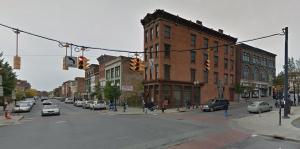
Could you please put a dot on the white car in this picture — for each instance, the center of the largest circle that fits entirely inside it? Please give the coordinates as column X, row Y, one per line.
column 99, row 105
column 78, row 103
column 47, row 102
column 50, row 110
column 68, row 100
column 22, row 107
column 259, row 106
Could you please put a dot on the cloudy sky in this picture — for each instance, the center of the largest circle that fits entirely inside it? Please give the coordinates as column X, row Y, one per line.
column 115, row 24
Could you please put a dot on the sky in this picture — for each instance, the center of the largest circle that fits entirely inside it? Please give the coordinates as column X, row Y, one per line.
column 115, row 24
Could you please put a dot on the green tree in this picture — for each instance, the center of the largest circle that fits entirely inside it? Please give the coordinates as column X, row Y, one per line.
column 8, row 77
column 31, row 93
column 239, row 89
column 111, row 92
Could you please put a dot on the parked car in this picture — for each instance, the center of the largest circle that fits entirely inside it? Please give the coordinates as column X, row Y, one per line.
column 98, row 105
column 31, row 100
column 30, row 103
column 47, row 102
column 78, row 103
column 215, row 105
column 69, row 100
column 21, row 107
column 50, row 110
column 259, row 106
column 86, row 104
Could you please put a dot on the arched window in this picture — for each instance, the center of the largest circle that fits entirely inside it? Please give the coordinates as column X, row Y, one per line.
column 256, row 74
column 246, row 72
column 264, row 75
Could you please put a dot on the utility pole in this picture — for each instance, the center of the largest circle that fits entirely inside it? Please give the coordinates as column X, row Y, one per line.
column 287, row 102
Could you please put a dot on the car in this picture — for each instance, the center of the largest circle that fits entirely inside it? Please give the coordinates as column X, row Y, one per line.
column 78, row 103
column 31, row 100
column 30, row 103
column 69, row 100
column 215, row 104
column 98, row 105
column 50, row 110
column 46, row 102
column 259, row 106
column 21, row 107
column 86, row 104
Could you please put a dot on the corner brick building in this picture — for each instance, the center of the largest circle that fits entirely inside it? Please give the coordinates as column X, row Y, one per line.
column 180, row 77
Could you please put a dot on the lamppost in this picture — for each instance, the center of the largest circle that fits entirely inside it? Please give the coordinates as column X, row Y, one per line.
column 196, row 89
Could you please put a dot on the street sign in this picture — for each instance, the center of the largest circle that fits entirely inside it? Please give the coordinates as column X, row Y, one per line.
column 71, row 61
column 127, row 88
column 1, row 91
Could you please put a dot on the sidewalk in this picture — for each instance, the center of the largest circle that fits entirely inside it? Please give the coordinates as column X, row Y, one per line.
column 137, row 111
column 267, row 124
column 14, row 120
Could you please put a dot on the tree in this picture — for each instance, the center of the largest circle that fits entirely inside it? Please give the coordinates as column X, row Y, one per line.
column 238, row 89
column 30, row 93
column 111, row 92
column 8, row 77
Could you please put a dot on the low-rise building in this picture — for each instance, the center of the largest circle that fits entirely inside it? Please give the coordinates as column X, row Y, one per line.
column 91, row 79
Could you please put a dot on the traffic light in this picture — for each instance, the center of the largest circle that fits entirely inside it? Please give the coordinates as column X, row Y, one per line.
column 85, row 63
column 81, row 62
column 207, row 65
column 135, row 64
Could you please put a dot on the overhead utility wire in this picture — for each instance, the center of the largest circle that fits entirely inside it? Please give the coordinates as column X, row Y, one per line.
column 126, row 51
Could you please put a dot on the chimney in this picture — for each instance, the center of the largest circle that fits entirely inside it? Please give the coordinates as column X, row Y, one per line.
column 199, row 22
column 220, row 31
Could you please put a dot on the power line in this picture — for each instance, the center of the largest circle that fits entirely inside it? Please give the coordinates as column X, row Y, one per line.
column 137, row 52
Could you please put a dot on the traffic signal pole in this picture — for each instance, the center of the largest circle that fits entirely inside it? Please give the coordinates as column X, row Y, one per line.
column 287, row 102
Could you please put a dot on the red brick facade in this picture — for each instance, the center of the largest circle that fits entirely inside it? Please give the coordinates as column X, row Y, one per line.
column 185, row 67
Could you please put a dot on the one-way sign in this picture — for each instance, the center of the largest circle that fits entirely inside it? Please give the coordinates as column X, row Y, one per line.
column 71, row 61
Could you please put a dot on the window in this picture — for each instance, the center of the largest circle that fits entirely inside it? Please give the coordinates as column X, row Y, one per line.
column 216, row 77
column 156, row 71
column 167, row 72
column 193, row 75
column 226, row 50
column 146, row 54
column 107, row 74
column 226, row 79
column 205, row 56
column 205, row 42
column 256, row 59
column 226, row 63
column 150, row 73
column 246, row 72
column 112, row 73
column 193, row 56
column 150, row 52
column 270, row 63
column 231, row 51
column 146, row 69
column 156, row 50
column 117, row 82
column 246, row 57
column 216, row 44
column 193, row 40
column 167, row 32
column 264, row 76
column 156, row 31
column 216, row 61
column 264, row 62
column 231, row 80
column 117, row 69
column 256, row 74
column 151, row 33
column 146, row 36
column 231, row 65
column 167, row 50
column 205, row 76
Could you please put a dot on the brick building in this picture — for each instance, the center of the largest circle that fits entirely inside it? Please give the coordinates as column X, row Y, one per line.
column 23, row 85
column 180, row 77
column 80, row 87
column 91, row 78
column 102, row 60
column 130, row 83
column 255, row 70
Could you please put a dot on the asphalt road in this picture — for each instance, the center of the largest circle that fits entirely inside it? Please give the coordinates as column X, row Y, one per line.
column 79, row 128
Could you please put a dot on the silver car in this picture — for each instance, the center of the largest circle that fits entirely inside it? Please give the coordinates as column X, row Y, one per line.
column 259, row 106
column 22, row 107
column 98, row 105
column 50, row 110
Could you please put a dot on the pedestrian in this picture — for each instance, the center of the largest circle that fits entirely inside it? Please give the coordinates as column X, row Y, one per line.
column 146, row 107
column 5, row 105
column 124, row 106
column 143, row 104
column 226, row 110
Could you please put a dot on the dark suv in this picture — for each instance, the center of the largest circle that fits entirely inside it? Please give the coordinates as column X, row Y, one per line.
column 215, row 105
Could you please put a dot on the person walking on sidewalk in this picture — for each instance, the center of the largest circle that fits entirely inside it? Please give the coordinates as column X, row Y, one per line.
column 226, row 110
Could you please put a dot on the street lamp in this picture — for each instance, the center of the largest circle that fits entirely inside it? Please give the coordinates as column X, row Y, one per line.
column 196, row 85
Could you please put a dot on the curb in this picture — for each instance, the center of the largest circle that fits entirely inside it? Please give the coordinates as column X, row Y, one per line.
column 281, row 137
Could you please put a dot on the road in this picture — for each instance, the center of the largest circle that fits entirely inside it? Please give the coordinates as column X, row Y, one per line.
column 79, row 128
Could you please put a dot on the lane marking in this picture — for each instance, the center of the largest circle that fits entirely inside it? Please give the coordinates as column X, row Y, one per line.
column 60, row 122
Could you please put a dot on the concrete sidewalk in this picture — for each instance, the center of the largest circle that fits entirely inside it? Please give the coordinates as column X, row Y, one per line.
column 14, row 119
column 267, row 124
column 137, row 111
